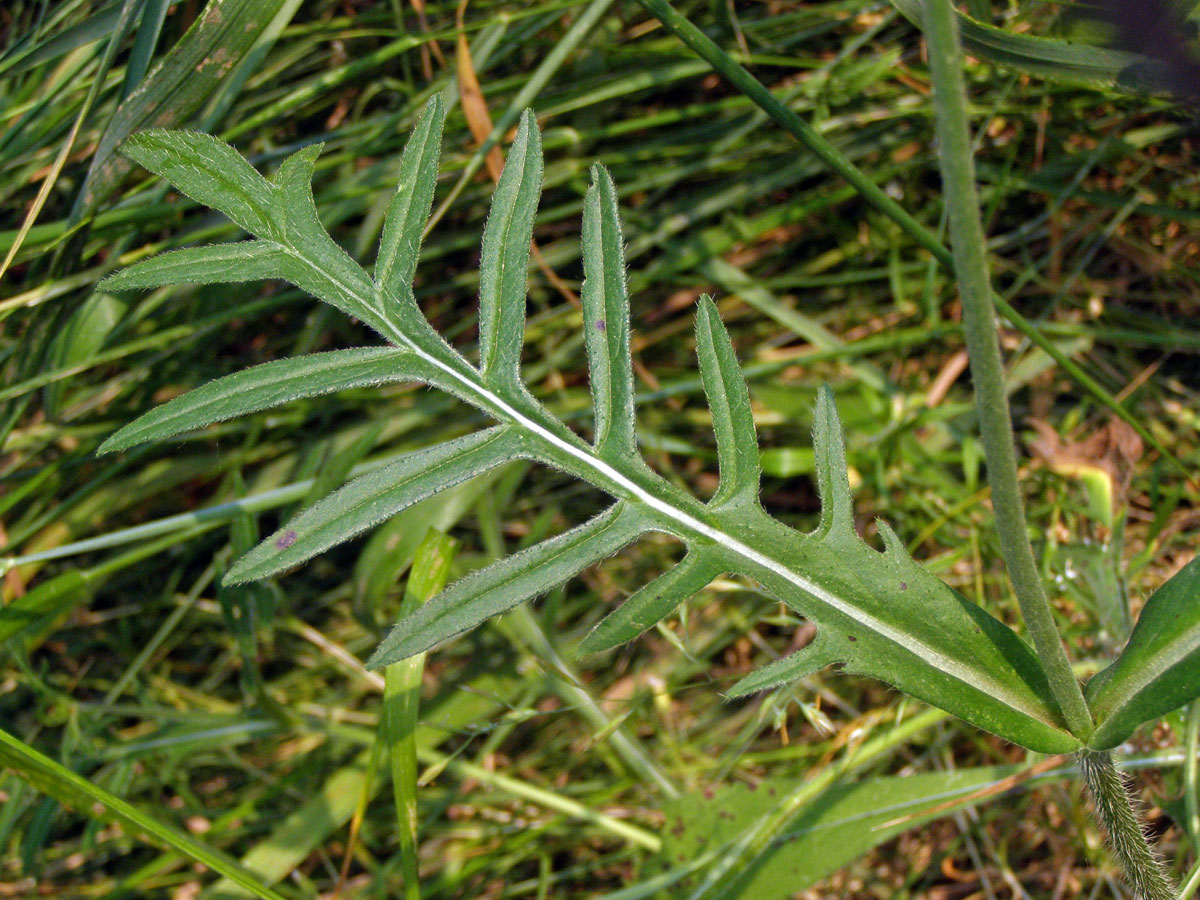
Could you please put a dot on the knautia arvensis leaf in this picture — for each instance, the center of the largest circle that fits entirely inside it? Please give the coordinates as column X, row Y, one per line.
column 877, row 613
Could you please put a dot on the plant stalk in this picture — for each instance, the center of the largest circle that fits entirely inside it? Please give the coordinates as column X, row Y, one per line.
column 724, row 65
column 1126, row 836
column 987, row 369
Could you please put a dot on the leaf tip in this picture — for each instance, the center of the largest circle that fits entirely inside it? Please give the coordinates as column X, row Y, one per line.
column 528, row 141
column 833, row 482
column 112, row 444
column 597, row 641
column 706, row 314
column 434, row 107
column 253, row 565
column 892, row 545
column 390, row 650
column 116, row 281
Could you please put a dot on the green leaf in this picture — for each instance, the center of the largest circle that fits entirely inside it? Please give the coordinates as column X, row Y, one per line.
column 80, row 340
column 409, row 208
column 733, row 422
column 210, row 172
column 71, row 789
column 833, row 828
column 1051, row 58
column 295, row 246
column 215, row 264
column 829, row 455
column 504, row 584
column 817, row 655
column 1159, row 669
column 197, row 68
column 883, row 615
column 319, row 265
column 503, row 268
column 606, row 323
column 70, row 589
column 878, row 614
column 402, row 700
column 653, row 602
column 271, row 384
column 376, row 496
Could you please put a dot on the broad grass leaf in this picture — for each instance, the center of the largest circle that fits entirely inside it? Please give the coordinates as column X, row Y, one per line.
column 834, row 828
column 1159, row 669
column 1052, row 58
column 188, row 76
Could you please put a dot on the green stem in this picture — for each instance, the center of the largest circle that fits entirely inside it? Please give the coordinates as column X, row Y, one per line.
column 816, row 144
column 401, row 702
column 1191, row 775
column 1114, row 808
column 987, row 368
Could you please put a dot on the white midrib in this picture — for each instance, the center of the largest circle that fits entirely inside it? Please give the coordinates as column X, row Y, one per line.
column 930, row 655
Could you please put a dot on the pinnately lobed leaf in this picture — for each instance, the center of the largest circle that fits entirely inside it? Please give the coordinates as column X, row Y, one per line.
column 876, row 613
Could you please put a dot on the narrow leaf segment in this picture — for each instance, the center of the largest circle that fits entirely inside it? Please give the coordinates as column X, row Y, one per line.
column 876, row 613
column 268, row 385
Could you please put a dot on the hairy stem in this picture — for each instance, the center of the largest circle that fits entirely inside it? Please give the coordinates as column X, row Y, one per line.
column 987, row 369
column 1115, row 809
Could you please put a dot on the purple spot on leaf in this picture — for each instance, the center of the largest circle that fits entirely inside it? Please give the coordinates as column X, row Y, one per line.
column 904, row 585
column 600, row 326
column 286, row 539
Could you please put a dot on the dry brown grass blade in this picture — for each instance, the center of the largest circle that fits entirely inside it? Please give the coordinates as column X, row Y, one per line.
column 470, row 94
column 431, row 47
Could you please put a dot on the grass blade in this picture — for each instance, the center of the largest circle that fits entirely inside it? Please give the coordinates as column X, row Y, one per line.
column 1048, row 57
column 188, row 76
column 401, row 701
column 70, row 789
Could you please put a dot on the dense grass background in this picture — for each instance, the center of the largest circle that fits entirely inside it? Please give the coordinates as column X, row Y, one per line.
column 244, row 716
